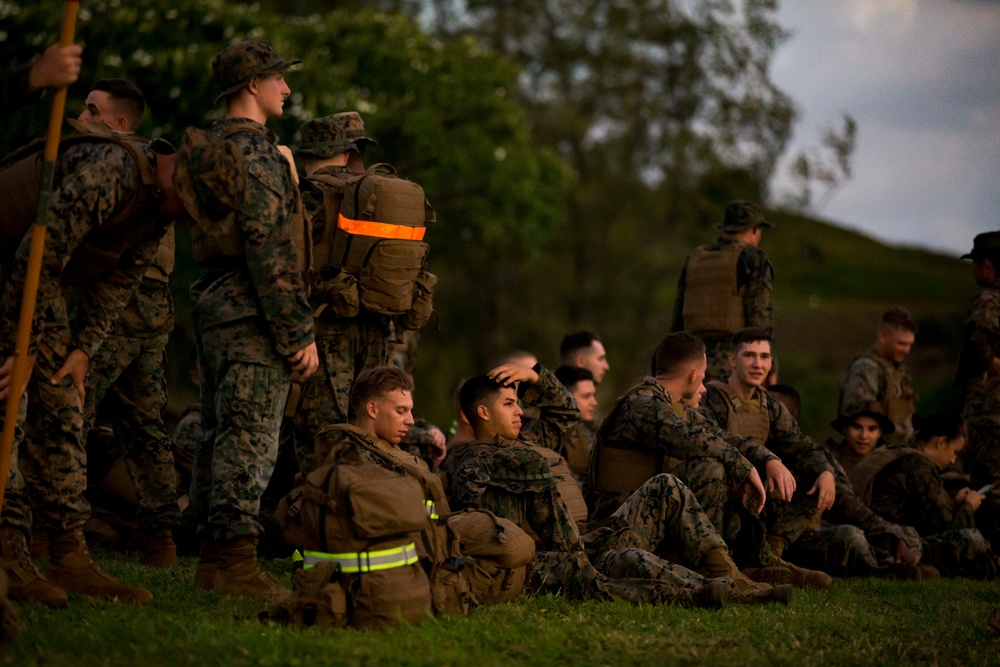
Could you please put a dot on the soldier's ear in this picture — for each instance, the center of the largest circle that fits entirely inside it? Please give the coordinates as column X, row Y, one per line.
column 732, row 359
column 483, row 412
column 371, row 407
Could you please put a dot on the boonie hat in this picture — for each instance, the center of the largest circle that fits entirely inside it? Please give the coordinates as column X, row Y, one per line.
column 236, row 64
column 741, row 216
column 324, row 138
column 987, row 243
column 354, row 127
column 873, row 410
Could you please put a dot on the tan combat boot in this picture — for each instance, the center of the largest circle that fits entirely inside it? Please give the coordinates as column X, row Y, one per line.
column 24, row 580
column 208, row 566
column 73, row 569
column 717, row 563
column 779, row 571
column 239, row 572
column 159, row 549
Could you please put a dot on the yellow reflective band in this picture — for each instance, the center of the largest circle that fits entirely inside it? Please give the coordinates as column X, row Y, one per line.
column 431, row 510
column 296, row 556
column 366, row 561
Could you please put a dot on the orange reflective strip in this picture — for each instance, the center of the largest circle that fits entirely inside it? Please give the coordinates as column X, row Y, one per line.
column 380, row 229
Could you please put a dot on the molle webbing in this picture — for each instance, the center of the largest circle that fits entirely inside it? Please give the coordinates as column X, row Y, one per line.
column 713, row 305
column 566, row 485
column 750, row 420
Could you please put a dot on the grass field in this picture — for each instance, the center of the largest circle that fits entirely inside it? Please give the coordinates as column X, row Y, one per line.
column 856, row 622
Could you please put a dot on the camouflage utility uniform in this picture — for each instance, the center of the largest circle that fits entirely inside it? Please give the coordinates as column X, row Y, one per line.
column 852, row 540
column 910, row 491
column 768, row 423
column 707, row 460
column 128, row 374
column 250, row 315
column 624, row 559
column 748, row 294
column 871, row 378
column 92, row 182
column 980, row 347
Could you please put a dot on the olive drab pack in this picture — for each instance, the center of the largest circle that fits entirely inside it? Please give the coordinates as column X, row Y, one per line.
column 211, row 179
column 497, row 553
column 713, row 304
column 372, row 245
column 20, row 183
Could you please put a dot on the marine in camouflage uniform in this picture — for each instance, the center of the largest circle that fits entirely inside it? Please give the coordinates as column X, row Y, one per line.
column 624, row 556
column 979, row 375
column 709, row 461
column 909, row 491
column 346, row 346
column 252, row 322
column 881, row 376
column 776, row 430
column 720, row 305
column 93, row 181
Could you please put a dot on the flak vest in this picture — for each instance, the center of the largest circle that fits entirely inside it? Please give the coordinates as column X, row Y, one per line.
column 864, row 474
column 101, row 249
column 750, row 420
column 614, row 470
column 216, row 237
column 566, row 485
column 899, row 402
column 713, row 304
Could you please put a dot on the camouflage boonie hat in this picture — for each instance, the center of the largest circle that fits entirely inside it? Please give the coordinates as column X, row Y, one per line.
column 520, row 469
column 741, row 216
column 235, row 65
column 987, row 243
column 867, row 409
column 323, row 138
column 354, row 128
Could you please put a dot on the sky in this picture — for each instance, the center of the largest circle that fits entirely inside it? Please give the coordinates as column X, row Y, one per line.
column 922, row 79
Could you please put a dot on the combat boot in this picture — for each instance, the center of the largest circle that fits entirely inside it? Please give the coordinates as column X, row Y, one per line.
column 717, row 563
column 713, row 595
column 208, row 565
column 239, row 572
column 73, row 569
column 159, row 549
column 25, row 582
column 778, row 571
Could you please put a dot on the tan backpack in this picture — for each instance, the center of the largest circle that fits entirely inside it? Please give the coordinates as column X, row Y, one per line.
column 497, row 553
column 375, row 226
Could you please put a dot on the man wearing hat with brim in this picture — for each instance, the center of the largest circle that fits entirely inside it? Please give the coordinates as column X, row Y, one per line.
column 726, row 286
column 332, row 148
column 979, row 376
column 854, row 541
column 253, row 321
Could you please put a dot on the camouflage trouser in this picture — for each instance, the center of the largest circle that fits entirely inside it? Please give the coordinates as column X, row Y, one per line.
column 244, row 385
column 628, row 558
column 128, row 375
column 842, row 551
column 982, row 460
column 346, row 347
column 790, row 519
column 962, row 552
column 48, row 448
column 706, row 478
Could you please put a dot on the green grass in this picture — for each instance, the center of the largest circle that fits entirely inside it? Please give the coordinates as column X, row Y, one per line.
column 855, row 622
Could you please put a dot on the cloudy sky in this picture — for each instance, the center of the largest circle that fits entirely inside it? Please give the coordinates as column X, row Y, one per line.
column 922, row 78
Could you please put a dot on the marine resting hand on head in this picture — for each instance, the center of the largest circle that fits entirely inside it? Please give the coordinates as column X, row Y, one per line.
column 753, row 492
column 512, row 374
column 7, row 374
column 304, row 362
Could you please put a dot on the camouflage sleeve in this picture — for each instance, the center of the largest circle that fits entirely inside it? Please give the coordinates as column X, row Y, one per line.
column 797, row 451
column 469, row 481
column 848, row 508
column 92, row 182
column 714, row 409
column 757, row 275
column 861, row 383
column 654, row 423
column 104, row 299
column 934, row 504
column 677, row 324
column 266, row 225
column 559, row 413
column 982, row 335
column 418, row 441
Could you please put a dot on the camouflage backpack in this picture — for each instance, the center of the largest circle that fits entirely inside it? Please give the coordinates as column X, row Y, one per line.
column 211, row 179
column 372, row 245
column 20, row 183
